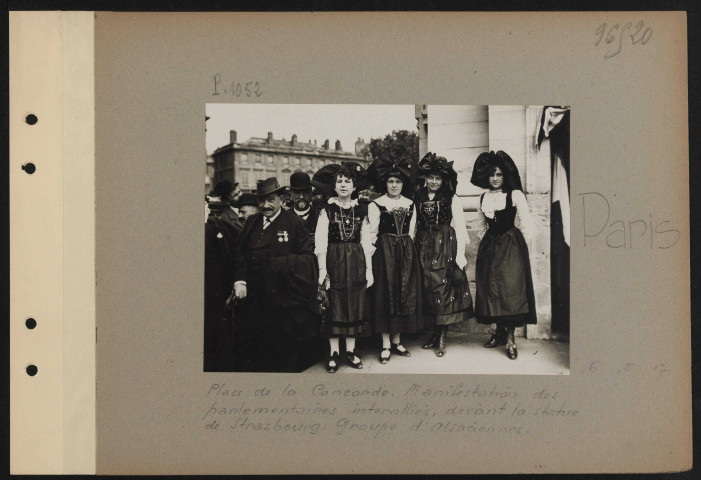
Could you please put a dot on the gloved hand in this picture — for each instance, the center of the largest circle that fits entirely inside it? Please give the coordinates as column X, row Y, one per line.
column 240, row 290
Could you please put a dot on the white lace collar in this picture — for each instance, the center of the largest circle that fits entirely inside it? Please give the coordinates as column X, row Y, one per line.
column 352, row 203
column 392, row 203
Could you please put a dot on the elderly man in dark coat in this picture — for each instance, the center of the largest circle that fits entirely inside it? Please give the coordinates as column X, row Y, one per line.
column 275, row 285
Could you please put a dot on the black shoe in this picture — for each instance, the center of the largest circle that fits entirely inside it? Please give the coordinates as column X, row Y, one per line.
column 493, row 342
column 511, row 351
column 401, row 353
column 433, row 341
column 351, row 356
column 332, row 358
column 384, row 360
column 441, row 346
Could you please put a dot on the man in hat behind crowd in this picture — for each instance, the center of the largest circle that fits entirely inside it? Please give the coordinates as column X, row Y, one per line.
column 301, row 199
column 248, row 206
column 221, row 202
column 275, row 284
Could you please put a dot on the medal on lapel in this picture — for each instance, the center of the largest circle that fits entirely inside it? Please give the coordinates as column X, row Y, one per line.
column 283, row 236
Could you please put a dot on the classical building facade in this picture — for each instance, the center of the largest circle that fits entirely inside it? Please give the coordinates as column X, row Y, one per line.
column 260, row 158
column 460, row 133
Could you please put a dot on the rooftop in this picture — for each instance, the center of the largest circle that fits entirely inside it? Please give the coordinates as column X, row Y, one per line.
column 293, row 145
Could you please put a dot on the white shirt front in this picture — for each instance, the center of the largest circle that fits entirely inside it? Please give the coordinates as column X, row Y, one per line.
column 268, row 220
column 304, row 213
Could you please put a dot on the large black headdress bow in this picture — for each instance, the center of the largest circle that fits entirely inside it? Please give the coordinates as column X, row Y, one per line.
column 384, row 167
column 431, row 163
column 484, row 166
column 323, row 179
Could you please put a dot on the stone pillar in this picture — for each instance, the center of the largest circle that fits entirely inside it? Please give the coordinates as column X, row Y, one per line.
column 513, row 130
column 421, row 115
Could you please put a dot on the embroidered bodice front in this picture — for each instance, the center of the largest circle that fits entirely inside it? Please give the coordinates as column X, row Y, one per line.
column 345, row 223
column 433, row 212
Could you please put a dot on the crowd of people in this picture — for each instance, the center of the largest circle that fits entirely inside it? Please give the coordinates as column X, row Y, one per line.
column 292, row 278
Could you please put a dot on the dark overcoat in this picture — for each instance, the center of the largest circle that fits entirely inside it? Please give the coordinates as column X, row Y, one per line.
column 277, row 314
column 219, row 328
column 291, row 237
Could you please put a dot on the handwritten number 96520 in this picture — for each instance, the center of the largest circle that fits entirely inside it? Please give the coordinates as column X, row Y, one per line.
column 616, row 35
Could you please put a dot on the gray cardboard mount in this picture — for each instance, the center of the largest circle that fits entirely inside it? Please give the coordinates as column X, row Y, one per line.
column 630, row 348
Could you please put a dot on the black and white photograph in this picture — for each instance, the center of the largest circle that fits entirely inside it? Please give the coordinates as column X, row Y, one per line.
column 356, row 239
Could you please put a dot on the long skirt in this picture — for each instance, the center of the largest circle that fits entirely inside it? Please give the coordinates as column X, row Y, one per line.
column 504, row 282
column 446, row 292
column 348, row 300
column 396, row 293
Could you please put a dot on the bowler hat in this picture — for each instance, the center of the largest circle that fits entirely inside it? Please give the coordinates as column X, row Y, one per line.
column 300, row 181
column 248, row 199
column 268, row 186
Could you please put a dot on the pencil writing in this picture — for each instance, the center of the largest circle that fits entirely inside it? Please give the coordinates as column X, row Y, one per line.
column 617, row 35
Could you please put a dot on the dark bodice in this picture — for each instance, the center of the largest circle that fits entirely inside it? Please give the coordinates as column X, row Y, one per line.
column 394, row 222
column 345, row 224
column 433, row 212
column 503, row 220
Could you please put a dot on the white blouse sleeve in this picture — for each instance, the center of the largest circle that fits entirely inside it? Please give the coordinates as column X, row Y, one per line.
column 412, row 223
column 458, row 224
column 366, row 242
column 524, row 215
column 480, row 223
column 321, row 238
column 373, row 222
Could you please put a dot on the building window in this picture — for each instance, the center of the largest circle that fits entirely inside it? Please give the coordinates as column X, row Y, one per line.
column 285, row 161
column 244, row 178
column 257, row 157
column 244, row 157
column 285, row 180
column 270, row 159
column 298, row 161
column 308, row 162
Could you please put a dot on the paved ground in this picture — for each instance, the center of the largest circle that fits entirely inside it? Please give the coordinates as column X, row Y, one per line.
column 465, row 355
